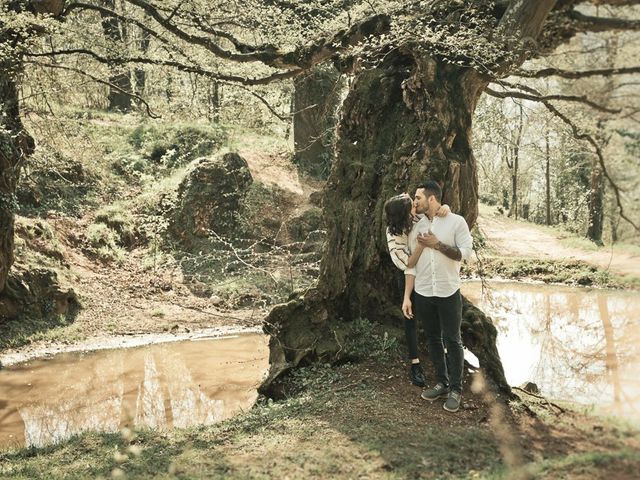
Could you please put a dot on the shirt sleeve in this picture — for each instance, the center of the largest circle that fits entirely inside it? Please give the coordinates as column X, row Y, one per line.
column 463, row 239
column 398, row 250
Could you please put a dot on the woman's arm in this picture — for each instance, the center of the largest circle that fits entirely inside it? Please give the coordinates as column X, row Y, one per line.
column 407, row 307
column 413, row 259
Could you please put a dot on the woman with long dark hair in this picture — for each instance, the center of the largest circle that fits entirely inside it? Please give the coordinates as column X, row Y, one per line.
column 401, row 217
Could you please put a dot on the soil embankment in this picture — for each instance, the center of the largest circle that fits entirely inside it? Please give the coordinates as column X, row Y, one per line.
column 511, row 238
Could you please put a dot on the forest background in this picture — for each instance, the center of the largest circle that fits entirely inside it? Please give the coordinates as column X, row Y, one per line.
column 132, row 183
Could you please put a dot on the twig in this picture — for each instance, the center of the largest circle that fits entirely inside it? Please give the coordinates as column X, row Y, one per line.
column 562, row 410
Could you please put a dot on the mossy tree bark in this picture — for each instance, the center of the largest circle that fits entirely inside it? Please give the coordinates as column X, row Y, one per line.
column 15, row 145
column 405, row 121
column 15, row 142
column 315, row 103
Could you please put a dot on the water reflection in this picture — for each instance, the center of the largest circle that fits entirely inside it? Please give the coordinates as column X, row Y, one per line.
column 574, row 343
column 172, row 384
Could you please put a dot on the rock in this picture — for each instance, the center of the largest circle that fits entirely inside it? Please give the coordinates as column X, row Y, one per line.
column 316, row 198
column 216, row 300
column 36, row 293
column 300, row 226
column 530, row 387
column 209, row 197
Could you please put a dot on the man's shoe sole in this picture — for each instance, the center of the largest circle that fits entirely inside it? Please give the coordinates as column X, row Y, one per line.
column 449, row 410
column 444, row 395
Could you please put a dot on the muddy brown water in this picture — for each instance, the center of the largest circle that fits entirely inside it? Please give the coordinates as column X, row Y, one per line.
column 180, row 384
column 575, row 344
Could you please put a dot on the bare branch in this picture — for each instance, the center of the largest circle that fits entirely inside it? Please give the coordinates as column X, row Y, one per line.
column 302, row 57
column 535, row 97
column 603, row 24
column 557, row 72
column 97, row 80
column 170, row 63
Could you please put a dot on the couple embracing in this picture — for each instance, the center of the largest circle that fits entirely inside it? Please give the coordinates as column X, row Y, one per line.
column 427, row 242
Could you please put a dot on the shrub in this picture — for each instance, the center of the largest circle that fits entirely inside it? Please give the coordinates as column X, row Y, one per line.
column 120, row 221
column 172, row 146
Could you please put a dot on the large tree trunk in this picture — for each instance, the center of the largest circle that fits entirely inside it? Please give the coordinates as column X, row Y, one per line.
column 15, row 146
column 405, row 121
column 316, row 98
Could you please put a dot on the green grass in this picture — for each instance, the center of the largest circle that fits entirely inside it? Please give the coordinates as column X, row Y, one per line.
column 240, row 138
column 16, row 333
column 569, row 272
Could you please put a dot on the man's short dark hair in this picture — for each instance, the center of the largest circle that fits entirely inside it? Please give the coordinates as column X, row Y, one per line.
column 431, row 187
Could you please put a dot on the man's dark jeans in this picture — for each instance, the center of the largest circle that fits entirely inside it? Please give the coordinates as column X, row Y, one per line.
column 442, row 318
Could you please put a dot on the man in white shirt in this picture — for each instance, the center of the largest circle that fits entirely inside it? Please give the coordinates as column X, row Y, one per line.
column 436, row 281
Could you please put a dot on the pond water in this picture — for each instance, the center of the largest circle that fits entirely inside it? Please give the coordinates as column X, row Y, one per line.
column 197, row 382
column 576, row 344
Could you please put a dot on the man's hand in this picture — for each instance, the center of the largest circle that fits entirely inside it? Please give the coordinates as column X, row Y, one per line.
column 428, row 240
column 407, row 309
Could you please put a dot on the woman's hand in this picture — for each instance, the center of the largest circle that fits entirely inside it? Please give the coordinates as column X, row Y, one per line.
column 407, row 309
column 443, row 211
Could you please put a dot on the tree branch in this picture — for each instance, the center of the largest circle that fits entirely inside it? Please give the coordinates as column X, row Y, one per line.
column 557, row 72
column 603, row 24
column 302, row 57
column 98, row 80
column 536, row 97
column 171, row 63
column 111, row 13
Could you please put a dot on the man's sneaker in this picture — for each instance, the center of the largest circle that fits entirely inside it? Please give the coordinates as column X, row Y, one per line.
column 453, row 402
column 439, row 391
column 417, row 375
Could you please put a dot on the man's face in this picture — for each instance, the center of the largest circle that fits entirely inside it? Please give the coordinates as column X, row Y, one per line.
column 420, row 201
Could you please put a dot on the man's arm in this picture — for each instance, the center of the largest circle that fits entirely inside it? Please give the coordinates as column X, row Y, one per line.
column 463, row 239
column 463, row 243
column 452, row 252
column 429, row 240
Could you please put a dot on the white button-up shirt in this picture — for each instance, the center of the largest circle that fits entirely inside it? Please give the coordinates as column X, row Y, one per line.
column 436, row 274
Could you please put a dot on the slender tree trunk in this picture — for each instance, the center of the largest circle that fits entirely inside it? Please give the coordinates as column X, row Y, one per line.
column 596, row 205
column 403, row 122
column 513, row 210
column 214, row 101
column 597, row 190
column 514, row 165
column 140, row 74
column 547, row 176
column 120, row 92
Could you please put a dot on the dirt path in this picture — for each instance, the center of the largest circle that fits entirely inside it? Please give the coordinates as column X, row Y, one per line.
column 514, row 238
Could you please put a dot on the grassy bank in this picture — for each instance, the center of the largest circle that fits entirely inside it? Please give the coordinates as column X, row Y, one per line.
column 354, row 421
column 569, row 272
